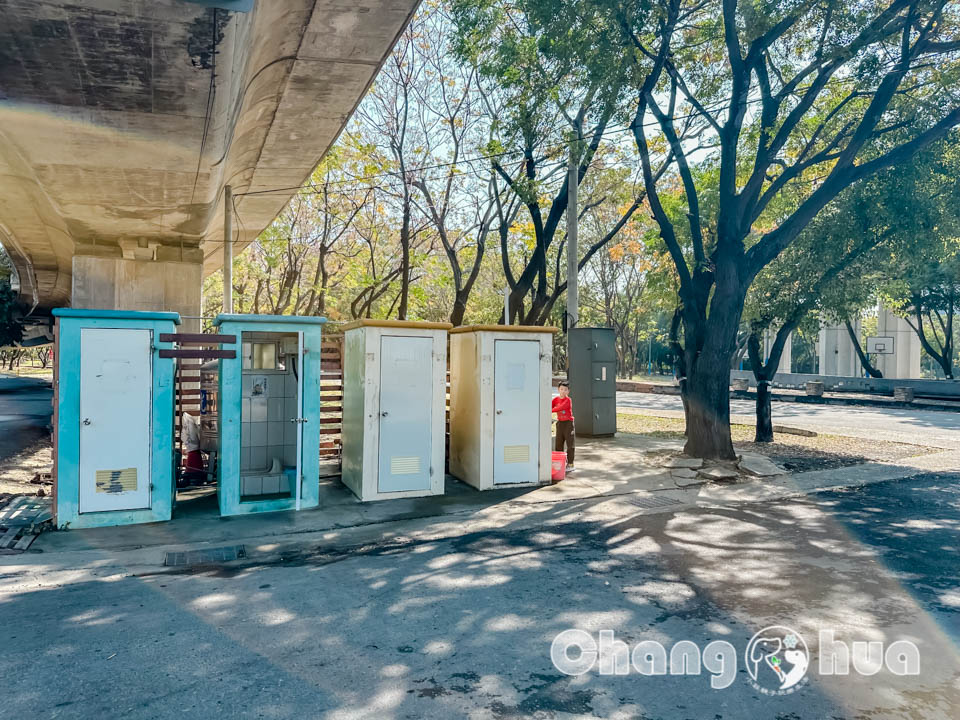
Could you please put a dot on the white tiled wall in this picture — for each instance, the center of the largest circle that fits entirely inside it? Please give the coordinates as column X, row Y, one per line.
column 266, row 431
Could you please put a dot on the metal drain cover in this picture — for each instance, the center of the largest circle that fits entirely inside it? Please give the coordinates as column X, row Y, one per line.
column 652, row 501
column 204, row 557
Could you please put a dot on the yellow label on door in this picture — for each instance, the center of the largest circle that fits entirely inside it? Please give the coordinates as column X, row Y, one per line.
column 116, row 481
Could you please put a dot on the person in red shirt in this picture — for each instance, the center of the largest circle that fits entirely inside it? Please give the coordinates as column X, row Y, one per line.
column 564, row 410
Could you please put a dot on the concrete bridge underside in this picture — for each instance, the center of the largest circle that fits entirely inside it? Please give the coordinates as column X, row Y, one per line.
column 121, row 122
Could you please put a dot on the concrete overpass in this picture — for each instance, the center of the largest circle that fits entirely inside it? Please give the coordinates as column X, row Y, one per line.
column 121, row 122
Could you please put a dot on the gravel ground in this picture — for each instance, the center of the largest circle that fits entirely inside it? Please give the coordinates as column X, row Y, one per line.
column 792, row 452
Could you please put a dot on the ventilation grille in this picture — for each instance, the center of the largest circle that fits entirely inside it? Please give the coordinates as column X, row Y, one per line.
column 211, row 556
column 116, row 481
column 516, row 453
column 404, row 465
column 646, row 500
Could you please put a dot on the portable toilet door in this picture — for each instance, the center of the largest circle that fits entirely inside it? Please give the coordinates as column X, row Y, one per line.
column 114, row 417
column 269, row 411
column 406, row 383
column 394, row 415
column 116, row 398
column 517, row 403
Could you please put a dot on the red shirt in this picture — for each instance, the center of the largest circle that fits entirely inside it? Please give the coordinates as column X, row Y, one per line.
column 562, row 407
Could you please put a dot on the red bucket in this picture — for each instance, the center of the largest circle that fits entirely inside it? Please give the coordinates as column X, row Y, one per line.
column 558, row 466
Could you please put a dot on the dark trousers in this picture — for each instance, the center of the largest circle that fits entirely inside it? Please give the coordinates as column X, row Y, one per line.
column 565, row 435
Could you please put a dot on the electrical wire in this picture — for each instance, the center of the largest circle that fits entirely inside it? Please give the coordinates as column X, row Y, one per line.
column 208, row 113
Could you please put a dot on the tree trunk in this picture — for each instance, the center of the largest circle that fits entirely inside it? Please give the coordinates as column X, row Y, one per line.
column 405, row 262
column 871, row 370
column 459, row 309
column 707, row 387
column 707, row 399
column 764, row 432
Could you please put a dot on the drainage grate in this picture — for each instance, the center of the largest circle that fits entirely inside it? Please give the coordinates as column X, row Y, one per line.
column 204, row 557
column 652, row 501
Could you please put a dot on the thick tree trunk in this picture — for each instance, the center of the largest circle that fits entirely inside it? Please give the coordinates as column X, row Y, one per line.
column 764, row 432
column 707, row 400
column 707, row 386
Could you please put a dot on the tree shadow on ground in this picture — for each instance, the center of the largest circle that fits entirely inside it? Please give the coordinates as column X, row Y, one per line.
column 461, row 625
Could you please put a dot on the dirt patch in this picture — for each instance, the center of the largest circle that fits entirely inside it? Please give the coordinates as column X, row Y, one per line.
column 24, row 473
column 794, row 453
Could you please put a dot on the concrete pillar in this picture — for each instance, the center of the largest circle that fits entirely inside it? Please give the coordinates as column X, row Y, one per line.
column 135, row 281
column 837, row 355
column 786, row 358
column 905, row 360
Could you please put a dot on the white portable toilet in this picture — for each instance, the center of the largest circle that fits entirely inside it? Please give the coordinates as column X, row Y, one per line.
column 394, row 408
column 500, row 394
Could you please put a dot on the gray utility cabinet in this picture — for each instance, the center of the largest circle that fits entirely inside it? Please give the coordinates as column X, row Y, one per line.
column 593, row 381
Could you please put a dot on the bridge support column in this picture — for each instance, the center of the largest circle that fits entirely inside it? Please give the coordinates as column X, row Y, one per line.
column 153, row 278
column 837, row 355
column 904, row 362
column 786, row 358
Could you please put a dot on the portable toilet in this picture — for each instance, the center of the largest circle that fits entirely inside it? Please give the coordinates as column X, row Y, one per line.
column 268, row 404
column 593, row 380
column 500, row 380
column 113, row 417
column 394, row 408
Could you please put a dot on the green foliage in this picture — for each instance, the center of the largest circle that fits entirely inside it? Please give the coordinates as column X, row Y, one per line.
column 11, row 331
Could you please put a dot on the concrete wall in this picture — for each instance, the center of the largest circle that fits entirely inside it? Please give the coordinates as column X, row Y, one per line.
column 112, row 283
column 921, row 387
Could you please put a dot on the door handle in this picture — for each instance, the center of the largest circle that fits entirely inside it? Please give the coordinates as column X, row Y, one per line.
column 499, row 412
column 384, row 414
column 86, row 421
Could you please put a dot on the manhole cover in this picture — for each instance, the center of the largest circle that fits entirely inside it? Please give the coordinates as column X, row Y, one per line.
column 652, row 501
column 204, row 557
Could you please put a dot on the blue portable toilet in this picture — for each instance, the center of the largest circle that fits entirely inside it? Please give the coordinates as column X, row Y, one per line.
column 269, row 414
column 113, row 417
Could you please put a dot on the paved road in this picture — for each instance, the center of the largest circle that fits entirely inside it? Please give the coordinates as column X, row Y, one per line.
column 25, row 412
column 462, row 626
column 924, row 427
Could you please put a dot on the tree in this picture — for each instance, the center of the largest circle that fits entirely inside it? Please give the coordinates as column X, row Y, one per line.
column 927, row 295
column 835, row 267
column 541, row 93
column 923, row 287
column 11, row 331
column 796, row 101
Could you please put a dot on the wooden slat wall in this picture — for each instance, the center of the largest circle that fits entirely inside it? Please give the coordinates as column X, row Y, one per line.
column 331, row 403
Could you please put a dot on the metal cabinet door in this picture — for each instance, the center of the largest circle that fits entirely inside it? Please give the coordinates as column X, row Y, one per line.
column 603, row 379
column 603, row 419
column 116, row 423
column 516, row 399
column 406, row 409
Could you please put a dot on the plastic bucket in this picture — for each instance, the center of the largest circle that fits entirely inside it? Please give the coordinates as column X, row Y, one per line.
column 558, row 466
